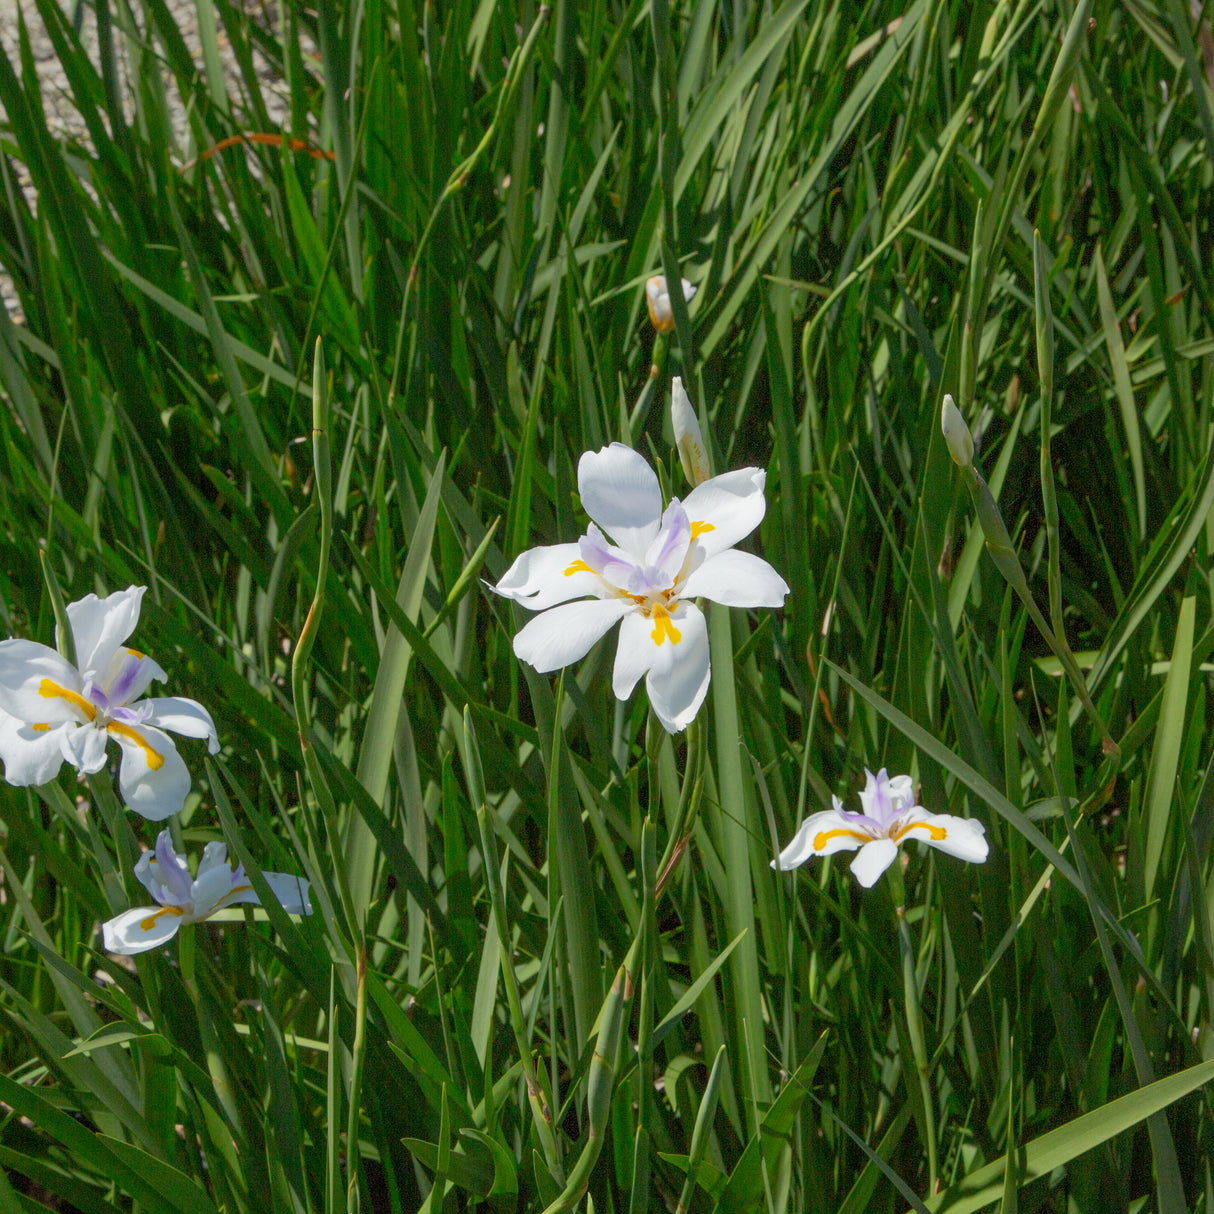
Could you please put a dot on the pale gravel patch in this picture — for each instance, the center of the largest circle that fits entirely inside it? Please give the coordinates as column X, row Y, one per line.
column 59, row 106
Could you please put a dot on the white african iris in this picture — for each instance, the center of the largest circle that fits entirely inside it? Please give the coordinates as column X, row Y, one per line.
column 657, row 297
column 51, row 711
column 890, row 816
column 186, row 899
column 659, row 562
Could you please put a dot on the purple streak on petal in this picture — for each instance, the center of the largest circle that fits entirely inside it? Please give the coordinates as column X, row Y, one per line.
column 173, row 873
column 666, row 553
column 124, row 676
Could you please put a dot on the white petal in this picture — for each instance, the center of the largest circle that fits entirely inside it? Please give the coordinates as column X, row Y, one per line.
column 872, row 860
column 964, row 838
column 99, row 626
column 129, row 675
column 84, row 748
column 31, row 756
column 901, row 793
column 727, row 508
column 25, row 666
column 183, row 716
column 657, row 298
column 136, row 931
column 542, row 577
column 214, row 855
column 212, row 890
column 564, row 634
column 620, row 491
column 679, row 672
column 153, row 791
column 633, row 655
column 736, row 579
column 822, row 834
column 291, row 892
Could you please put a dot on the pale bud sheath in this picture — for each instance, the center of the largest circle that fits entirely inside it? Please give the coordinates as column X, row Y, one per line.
column 692, row 453
column 956, row 433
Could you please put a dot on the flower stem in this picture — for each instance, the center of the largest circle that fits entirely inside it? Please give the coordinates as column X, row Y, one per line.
column 914, row 1027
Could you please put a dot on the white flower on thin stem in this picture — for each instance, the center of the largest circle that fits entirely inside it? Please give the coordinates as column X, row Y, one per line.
column 51, row 711
column 890, row 816
column 956, row 433
column 645, row 576
column 693, row 455
column 185, row 899
column 658, row 298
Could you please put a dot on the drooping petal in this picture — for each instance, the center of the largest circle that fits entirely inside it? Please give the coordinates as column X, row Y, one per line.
column 542, row 577
column 801, row 846
column 620, row 492
column 872, row 860
column 565, row 634
column 679, row 672
column 101, row 625
column 184, row 716
column 153, row 779
column 633, row 655
column 726, row 509
column 32, row 755
column 137, row 930
column 823, row 834
column 37, row 686
column 964, row 838
column 736, row 579
column 291, row 892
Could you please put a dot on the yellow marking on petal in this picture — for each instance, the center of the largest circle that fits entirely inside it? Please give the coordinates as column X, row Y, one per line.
column 146, row 925
column 578, row 567
column 135, row 653
column 40, row 728
column 50, row 690
column 240, row 889
column 823, row 837
column 937, row 832
column 700, row 528
column 154, row 757
column 663, row 626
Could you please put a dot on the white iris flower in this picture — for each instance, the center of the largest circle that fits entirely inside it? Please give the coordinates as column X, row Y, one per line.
column 185, row 899
column 657, row 296
column 645, row 576
column 51, row 711
column 890, row 816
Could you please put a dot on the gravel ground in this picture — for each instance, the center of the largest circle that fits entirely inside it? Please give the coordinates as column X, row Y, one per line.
column 56, row 97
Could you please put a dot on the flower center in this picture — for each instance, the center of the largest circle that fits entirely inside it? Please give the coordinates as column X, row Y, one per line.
column 51, row 690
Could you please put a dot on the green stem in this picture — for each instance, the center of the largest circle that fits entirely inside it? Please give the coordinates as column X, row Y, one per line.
column 914, row 1028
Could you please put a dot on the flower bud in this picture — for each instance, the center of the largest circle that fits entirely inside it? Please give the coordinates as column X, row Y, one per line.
column 658, row 299
column 692, row 453
column 956, row 433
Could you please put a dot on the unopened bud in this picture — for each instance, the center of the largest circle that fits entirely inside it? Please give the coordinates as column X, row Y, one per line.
column 956, row 433
column 658, row 299
column 692, row 453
